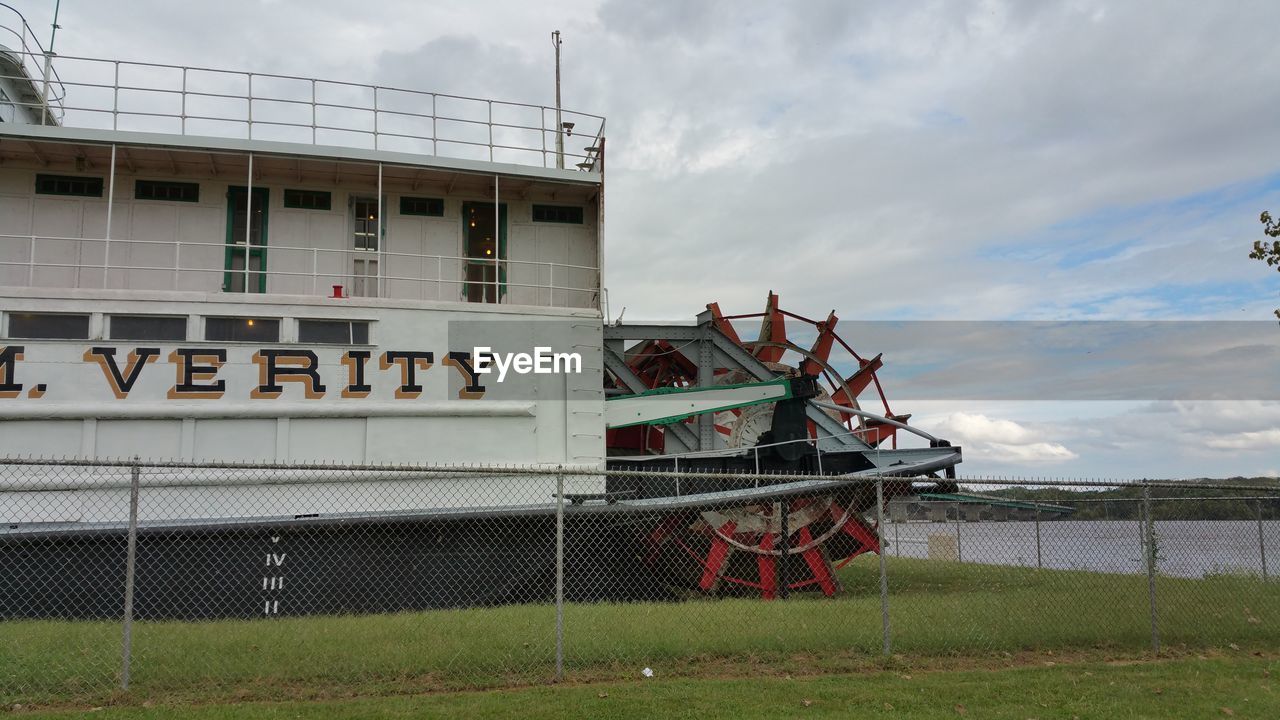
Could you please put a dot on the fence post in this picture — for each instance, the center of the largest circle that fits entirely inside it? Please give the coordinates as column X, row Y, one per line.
column 1149, row 542
column 959, row 552
column 784, row 546
column 884, row 574
column 559, row 574
column 1039, row 565
column 1262, row 542
column 129, row 564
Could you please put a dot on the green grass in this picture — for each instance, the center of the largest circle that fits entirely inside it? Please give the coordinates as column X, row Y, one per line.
column 1237, row 686
column 937, row 609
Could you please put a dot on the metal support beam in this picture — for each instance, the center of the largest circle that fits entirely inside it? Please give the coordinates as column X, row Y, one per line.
column 111, row 201
column 615, row 364
column 706, row 378
column 651, row 332
column 832, row 434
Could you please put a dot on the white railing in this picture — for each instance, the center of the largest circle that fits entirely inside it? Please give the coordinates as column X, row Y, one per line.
column 74, row 262
column 25, row 51
column 186, row 100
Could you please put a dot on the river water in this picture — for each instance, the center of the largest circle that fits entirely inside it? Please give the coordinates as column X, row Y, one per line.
column 1184, row 548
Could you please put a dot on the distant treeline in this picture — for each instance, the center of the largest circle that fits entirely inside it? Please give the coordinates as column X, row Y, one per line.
column 1179, row 500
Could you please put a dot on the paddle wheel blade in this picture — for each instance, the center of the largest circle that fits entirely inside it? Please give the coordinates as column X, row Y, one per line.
column 773, row 330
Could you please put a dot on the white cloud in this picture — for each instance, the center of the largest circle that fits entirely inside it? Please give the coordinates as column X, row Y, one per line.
column 1225, row 417
column 1000, row 441
column 1031, row 454
column 1258, row 440
column 1116, row 439
column 971, row 427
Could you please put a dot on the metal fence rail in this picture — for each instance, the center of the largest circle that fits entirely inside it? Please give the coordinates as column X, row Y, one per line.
column 201, row 266
column 212, row 102
column 165, row 576
column 31, row 62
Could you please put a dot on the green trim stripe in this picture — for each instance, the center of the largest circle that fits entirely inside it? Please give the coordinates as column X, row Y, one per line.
column 784, row 382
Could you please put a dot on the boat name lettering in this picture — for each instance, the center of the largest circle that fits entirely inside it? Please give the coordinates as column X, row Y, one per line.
column 196, row 372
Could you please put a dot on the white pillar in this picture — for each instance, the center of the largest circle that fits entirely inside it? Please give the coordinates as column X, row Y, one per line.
column 497, row 243
column 382, row 240
column 111, row 201
column 248, row 223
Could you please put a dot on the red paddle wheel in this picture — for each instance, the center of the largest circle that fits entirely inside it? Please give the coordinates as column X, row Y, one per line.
column 740, row 550
column 765, row 548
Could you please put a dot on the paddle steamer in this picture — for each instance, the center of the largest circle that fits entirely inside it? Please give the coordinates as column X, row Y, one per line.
column 220, row 267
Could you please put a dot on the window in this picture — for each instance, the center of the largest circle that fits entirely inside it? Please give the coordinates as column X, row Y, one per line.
column 365, row 228
column 432, row 207
column 557, row 214
column 166, row 190
column 334, row 332
column 308, row 199
column 242, row 329
column 69, row 185
column 148, row 327
column 48, row 326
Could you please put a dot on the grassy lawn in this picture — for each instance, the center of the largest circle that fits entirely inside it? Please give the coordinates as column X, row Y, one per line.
column 938, row 610
column 1236, row 686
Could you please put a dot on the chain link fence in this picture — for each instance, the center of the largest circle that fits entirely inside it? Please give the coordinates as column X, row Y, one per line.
column 166, row 578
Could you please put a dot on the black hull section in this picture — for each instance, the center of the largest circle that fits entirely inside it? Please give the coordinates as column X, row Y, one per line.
column 322, row 569
column 389, row 563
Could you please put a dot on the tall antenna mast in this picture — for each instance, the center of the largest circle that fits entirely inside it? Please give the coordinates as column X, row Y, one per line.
column 48, row 65
column 555, row 41
column 53, row 34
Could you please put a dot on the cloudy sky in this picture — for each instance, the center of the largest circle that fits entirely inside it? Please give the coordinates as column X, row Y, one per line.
column 892, row 161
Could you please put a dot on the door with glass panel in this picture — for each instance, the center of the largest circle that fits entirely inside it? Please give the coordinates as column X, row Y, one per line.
column 485, row 247
column 366, row 237
column 246, row 241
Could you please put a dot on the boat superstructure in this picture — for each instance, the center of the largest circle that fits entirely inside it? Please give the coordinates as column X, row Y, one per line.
column 168, row 235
